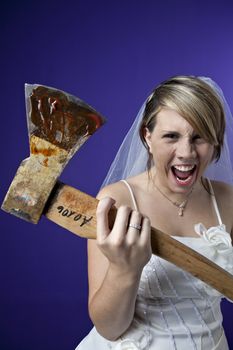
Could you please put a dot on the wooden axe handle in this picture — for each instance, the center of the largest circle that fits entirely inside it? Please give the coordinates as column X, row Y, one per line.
column 76, row 211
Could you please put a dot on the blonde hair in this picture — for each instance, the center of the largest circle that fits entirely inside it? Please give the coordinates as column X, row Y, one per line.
column 196, row 101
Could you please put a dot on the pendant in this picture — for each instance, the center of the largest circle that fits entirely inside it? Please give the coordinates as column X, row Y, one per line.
column 182, row 208
column 181, row 211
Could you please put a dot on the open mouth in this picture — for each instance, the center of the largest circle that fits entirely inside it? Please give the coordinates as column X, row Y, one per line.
column 184, row 173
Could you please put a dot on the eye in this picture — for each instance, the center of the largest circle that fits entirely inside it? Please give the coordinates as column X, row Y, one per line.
column 197, row 138
column 171, row 136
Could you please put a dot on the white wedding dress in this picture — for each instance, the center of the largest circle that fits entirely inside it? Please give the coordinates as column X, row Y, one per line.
column 174, row 310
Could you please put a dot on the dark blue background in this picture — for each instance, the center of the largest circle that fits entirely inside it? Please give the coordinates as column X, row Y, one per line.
column 111, row 54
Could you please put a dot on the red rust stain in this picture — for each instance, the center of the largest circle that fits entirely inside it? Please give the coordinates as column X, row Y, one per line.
column 47, row 152
column 60, row 120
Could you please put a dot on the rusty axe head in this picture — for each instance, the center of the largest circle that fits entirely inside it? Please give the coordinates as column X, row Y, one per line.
column 58, row 124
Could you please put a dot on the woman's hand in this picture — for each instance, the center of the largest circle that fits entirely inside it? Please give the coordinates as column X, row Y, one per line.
column 127, row 248
column 115, row 263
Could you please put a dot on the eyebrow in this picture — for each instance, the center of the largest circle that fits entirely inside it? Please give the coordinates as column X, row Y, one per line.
column 170, row 132
column 177, row 132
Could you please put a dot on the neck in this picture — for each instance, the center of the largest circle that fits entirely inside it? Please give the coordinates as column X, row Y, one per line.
column 180, row 203
column 178, row 197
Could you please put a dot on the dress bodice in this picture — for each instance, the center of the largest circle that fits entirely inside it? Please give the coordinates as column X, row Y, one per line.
column 172, row 304
column 178, row 310
column 174, row 310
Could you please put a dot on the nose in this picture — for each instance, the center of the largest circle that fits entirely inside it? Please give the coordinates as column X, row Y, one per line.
column 186, row 149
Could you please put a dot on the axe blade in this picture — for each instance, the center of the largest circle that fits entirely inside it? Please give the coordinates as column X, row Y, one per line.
column 58, row 124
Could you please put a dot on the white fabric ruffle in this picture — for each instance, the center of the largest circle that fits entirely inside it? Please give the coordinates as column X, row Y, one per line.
column 216, row 246
column 127, row 344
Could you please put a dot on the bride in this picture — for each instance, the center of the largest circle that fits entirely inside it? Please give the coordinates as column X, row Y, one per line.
column 172, row 172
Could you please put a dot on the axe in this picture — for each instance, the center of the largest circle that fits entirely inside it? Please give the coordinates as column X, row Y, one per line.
column 58, row 125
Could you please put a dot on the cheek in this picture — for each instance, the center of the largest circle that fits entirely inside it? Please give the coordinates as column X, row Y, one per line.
column 162, row 153
column 207, row 153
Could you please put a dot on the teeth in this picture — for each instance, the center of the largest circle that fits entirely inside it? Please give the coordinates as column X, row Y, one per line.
column 184, row 181
column 184, row 167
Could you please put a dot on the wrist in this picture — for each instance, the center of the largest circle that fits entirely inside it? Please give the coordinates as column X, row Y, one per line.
column 127, row 275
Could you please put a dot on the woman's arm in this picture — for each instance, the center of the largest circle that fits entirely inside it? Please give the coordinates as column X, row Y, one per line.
column 115, row 263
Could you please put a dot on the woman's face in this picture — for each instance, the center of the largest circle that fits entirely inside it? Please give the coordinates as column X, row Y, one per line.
column 180, row 154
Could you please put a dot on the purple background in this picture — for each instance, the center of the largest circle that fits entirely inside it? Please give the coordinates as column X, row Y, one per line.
column 111, row 54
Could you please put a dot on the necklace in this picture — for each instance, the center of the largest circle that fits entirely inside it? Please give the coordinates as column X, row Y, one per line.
column 180, row 206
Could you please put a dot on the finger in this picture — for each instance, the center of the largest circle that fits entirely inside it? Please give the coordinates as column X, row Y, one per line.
column 134, row 227
column 102, row 211
column 121, row 224
column 145, row 236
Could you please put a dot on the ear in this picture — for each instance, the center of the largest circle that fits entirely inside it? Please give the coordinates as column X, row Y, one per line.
column 147, row 137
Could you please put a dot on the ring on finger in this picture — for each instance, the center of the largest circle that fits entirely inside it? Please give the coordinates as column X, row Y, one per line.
column 135, row 226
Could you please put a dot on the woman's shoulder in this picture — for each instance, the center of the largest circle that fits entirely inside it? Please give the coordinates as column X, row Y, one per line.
column 111, row 190
column 119, row 192
column 224, row 195
column 222, row 189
